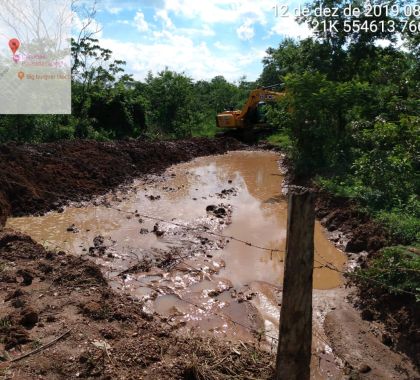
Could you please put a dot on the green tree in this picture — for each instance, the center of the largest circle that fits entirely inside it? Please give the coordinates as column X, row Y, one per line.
column 170, row 99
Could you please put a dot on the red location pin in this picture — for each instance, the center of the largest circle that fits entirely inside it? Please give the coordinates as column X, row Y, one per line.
column 14, row 45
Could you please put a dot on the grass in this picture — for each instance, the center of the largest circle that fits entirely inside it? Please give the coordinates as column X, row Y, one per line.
column 397, row 268
column 36, row 344
column 280, row 139
column 402, row 226
column 403, row 223
column 206, row 129
column 236, row 361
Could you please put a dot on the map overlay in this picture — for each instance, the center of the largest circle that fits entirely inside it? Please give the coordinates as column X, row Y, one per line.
column 35, row 60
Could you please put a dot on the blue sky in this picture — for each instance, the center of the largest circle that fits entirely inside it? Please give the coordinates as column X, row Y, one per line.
column 200, row 38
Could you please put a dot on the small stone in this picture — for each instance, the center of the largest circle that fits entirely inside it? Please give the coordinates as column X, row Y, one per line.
column 18, row 303
column 364, row 368
column 29, row 317
column 387, row 340
column 367, row 315
column 73, row 229
column 26, row 277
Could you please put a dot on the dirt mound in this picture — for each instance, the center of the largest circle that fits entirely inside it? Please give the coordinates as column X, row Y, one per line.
column 361, row 347
column 103, row 334
column 37, row 178
column 342, row 214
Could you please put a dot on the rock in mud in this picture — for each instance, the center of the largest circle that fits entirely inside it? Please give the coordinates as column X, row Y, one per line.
column 157, row 231
column 17, row 303
column 226, row 192
column 13, row 294
column 73, row 229
column 99, row 246
column 29, row 317
column 15, row 336
column 144, row 231
column 98, row 241
column 26, row 276
column 364, row 368
column 218, row 211
column 153, row 197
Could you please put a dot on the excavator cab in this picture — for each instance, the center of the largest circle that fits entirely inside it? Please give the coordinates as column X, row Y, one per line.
column 252, row 115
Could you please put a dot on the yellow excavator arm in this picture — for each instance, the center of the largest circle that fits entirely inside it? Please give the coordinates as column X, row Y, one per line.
column 243, row 118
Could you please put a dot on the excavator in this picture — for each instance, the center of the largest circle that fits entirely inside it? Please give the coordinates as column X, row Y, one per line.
column 251, row 119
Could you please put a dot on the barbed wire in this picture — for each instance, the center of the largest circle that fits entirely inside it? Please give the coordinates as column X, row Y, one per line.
column 157, row 219
column 196, row 229
column 327, row 265
column 254, row 331
column 332, row 267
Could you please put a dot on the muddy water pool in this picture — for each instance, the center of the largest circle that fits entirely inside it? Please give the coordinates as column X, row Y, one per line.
column 165, row 240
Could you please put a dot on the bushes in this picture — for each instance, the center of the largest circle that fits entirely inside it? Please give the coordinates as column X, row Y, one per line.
column 397, row 269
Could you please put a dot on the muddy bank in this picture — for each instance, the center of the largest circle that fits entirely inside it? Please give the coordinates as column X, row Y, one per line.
column 48, row 294
column 38, row 178
column 396, row 318
column 360, row 231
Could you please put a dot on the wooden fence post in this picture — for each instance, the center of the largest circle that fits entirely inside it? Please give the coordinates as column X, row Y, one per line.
column 295, row 335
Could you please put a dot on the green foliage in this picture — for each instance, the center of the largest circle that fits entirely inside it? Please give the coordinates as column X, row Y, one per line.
column 397, row 269
column 316, row 112
column 352, row 116
column 109, row 104
column 386, row 159
column 170, row 98
column 404, row 227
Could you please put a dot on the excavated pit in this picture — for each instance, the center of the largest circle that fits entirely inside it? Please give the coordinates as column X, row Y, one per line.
column 165, row 240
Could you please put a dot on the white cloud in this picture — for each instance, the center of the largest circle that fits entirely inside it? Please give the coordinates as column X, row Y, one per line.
column 162, row 14
column 140, row 22
column 246, row 31
column 221, row 11
column 181, row 54
column 124, row 22
column 288, row 27
column 91, row 26
column 205, row 31
column 221, row 46
column 114, row 10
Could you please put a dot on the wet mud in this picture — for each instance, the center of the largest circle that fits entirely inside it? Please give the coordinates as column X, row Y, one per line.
column 189, row 269
column 38, row 178
column 161, row 252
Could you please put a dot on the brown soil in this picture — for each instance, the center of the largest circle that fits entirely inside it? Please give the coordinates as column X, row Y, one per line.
column 400, row 314
column 38, row 178
column 47, row 294
column 341, row 214
column 360, row 344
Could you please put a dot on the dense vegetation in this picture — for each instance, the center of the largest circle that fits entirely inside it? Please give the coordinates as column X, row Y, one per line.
column 107, row 103
column 351, row 120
